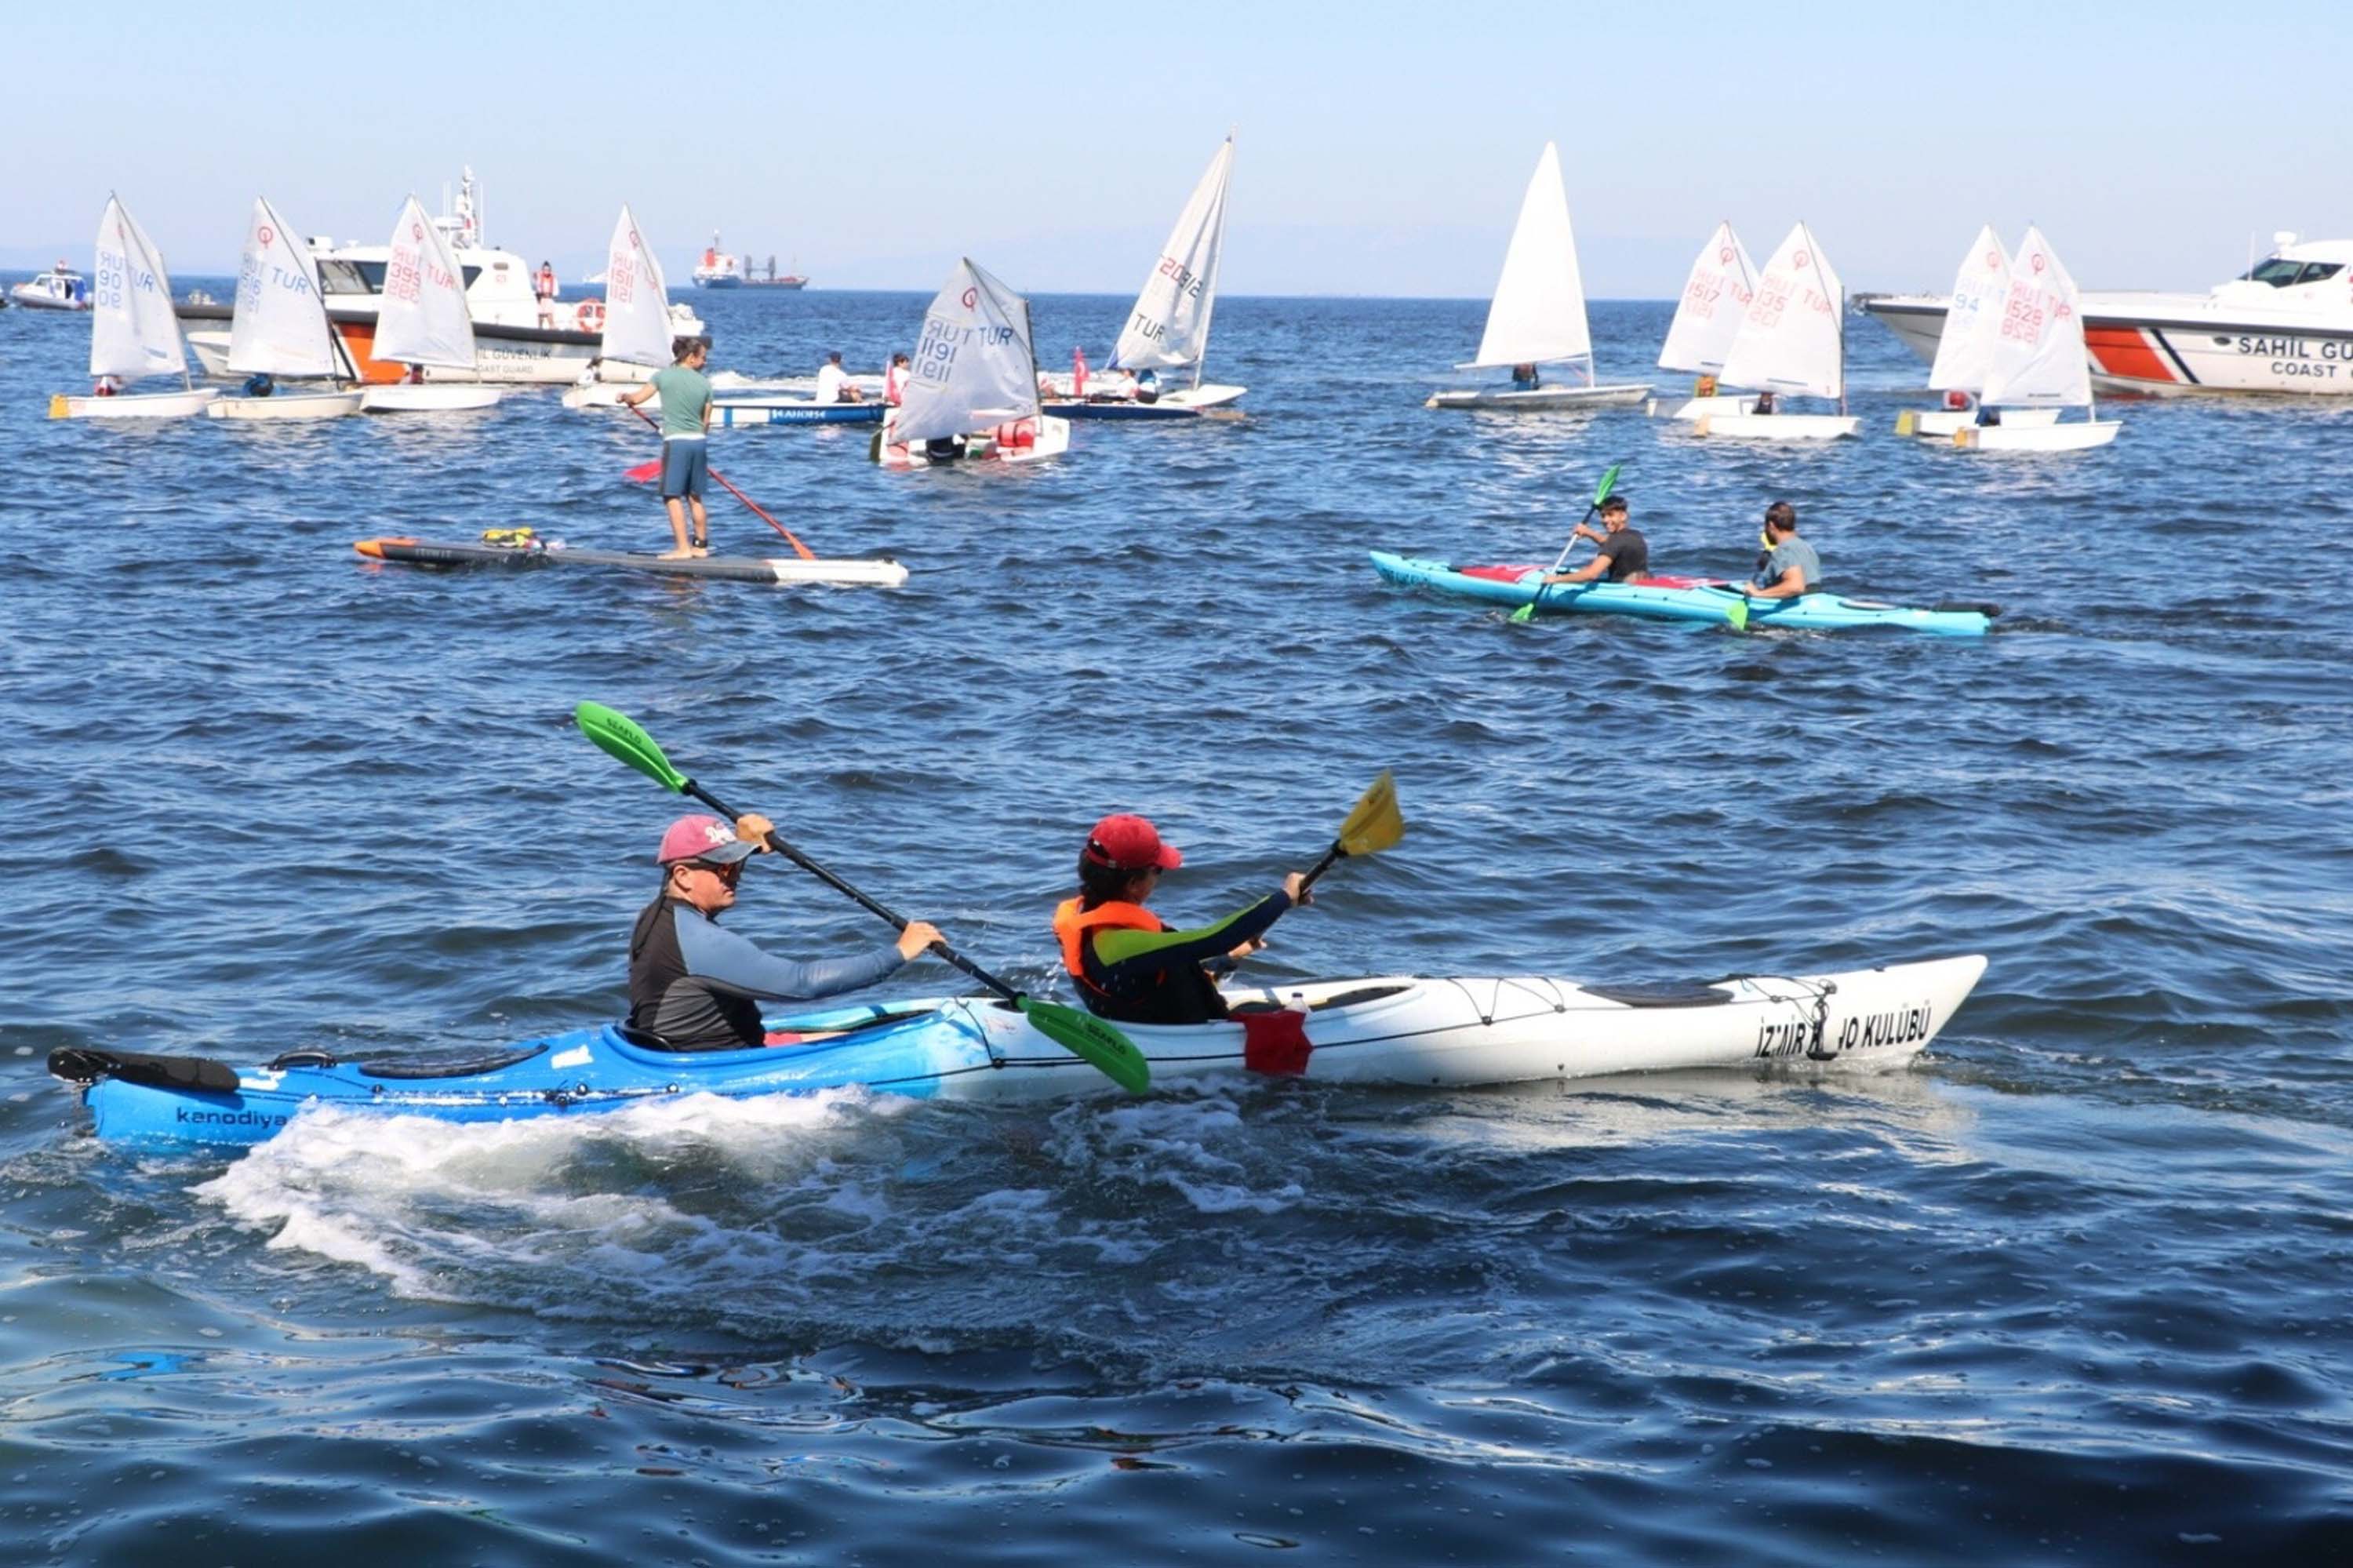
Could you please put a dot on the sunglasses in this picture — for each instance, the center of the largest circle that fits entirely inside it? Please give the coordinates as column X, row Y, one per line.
column 729, row 874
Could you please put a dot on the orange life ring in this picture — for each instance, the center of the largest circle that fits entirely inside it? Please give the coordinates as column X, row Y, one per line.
column 590, row 316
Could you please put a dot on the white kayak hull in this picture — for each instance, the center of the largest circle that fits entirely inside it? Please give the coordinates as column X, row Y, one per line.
column 2007, row 437
column 1541, row 399
column 432, row 398
column 286, row 405
column 1777, row 427
column 135, row 405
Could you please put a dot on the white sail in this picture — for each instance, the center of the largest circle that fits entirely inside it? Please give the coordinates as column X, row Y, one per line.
column 279, row 325
column 974, row 367
column 424, row 320
column 1538, row 311
column 1792, row 337
column 1715, row 297
column 1974, row 316
column 636, row 301
column 1170, row 323
column 133, row 331
column 2037, row 349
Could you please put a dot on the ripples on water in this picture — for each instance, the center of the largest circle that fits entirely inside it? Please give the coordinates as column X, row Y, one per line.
column 2073, row 1290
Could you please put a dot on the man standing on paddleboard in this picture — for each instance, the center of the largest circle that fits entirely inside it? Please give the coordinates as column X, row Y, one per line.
column 697, row 988
column 1622, row 551
column 685, row 394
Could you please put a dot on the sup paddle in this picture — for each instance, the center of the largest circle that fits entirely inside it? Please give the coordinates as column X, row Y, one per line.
column 1084, row 1036
column 646, row 471
column 1526, row 613
column 1371, row 827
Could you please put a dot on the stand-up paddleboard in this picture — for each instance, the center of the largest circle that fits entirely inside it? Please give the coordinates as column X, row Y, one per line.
column 535, row 552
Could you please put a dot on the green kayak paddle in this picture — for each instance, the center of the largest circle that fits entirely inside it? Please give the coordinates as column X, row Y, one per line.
column 1082, row 1033
column 1526, row 613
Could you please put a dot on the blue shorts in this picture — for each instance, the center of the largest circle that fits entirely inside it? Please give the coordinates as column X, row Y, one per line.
column 684, row 468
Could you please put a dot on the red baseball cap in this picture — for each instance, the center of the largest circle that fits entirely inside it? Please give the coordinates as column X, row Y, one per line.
column 704, row 839
column 1130, row 843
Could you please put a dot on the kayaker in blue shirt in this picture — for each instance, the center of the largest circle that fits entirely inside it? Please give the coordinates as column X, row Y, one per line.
column 1790, row 567
column 694, row 987
column 1620, row 551
column 1128, row 965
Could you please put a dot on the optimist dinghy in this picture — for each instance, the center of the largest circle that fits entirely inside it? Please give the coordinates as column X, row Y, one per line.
column 133, row 330
column 1703, row 600
column 1403, row 1031
column 1538, row 315
column 1714, row 299
column 424, row 322
column 2038, row 363
column 279, row 327
column 972, row 395
column 1791, row 343
column 639, row 330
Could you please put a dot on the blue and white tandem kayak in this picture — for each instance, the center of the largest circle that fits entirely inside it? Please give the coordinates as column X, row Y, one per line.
column 1676, row 598
column 1399, row 1030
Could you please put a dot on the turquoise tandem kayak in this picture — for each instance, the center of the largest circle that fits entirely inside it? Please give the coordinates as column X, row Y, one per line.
column 1708, row 599
column 1401, row 1031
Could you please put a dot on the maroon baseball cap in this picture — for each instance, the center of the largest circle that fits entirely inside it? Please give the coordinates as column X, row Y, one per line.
column 704, row 839
column 1130, row 843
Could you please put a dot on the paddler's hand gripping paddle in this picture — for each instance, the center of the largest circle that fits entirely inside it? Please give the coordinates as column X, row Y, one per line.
column 1526, row 613
column 1082, row 1033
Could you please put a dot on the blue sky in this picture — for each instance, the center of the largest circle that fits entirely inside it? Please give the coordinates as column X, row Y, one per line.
column 1381, row 150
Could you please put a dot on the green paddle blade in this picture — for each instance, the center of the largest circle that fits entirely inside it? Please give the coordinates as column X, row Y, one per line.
column 1092, row 1041
column 1376, row 825
column 1608, row 481
column 618, row 735
column 1527, row 611
column 1737, row 616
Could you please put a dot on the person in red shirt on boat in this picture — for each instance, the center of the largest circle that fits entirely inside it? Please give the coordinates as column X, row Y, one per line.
column 542, row 288
column 1131, row 968
column 894, row 380
column 1622, row 551
column 1079, row 373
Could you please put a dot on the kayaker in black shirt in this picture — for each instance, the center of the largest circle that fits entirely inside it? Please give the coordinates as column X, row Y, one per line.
column 1621, row 552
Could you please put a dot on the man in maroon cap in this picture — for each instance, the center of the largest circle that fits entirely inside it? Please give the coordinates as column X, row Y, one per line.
column 1128, row 966
column 697, row 988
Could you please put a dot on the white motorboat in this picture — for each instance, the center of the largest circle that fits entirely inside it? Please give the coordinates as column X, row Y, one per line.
column 422, row 322
column 2285, row 326
column 2038, row 363
column 1791, row 343
column 1707, row 318
column 132, row 332
column 971, row 395
column 521, row 338
column 59, row 289
column 281, row 328
column 717, row 269
column 1538, row 315
column 1168, row 329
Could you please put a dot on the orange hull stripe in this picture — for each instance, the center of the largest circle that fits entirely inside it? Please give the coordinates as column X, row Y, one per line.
column 2125, row 352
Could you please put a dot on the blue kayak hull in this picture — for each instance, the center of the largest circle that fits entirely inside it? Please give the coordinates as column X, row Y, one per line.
column 1706, row 602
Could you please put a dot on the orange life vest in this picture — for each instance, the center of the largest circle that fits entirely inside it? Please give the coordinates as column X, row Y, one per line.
column 1071, row 923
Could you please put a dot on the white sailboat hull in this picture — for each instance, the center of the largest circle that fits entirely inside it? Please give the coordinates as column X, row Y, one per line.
column 430, row 399
column 1944, row 424
column 134, row 405
column 1777, row 427
column 1692, row 408
column 286, row 405
column 1053, row 439
column 1543, row 399
column 2007, row 436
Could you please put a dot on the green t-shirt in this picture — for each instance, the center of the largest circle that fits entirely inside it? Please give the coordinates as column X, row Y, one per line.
column 685, row 393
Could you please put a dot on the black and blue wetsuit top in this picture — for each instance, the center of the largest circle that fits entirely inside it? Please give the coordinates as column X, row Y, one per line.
column 697, row 988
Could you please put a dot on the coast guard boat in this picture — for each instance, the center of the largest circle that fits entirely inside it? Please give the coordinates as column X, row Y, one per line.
column 2285, row 326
